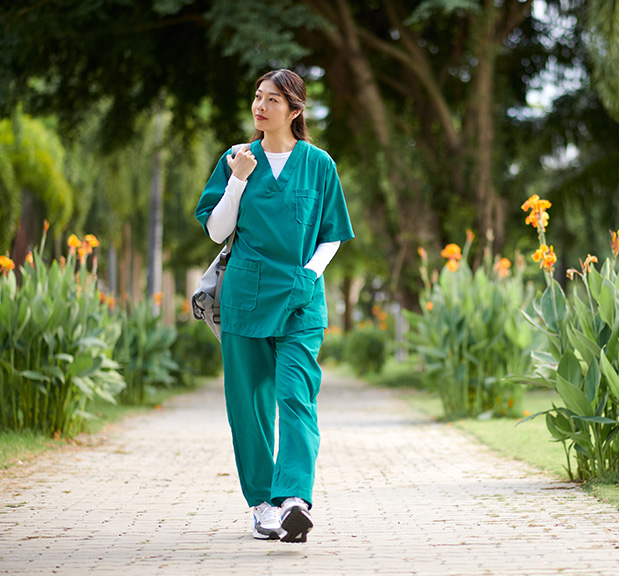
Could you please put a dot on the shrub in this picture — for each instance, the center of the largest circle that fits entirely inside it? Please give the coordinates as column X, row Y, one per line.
column 470, row 336
column 583, row 360
column 144, row 351
column 333, row 346
column 365, row 350
column 56, row 340
column 197, row 350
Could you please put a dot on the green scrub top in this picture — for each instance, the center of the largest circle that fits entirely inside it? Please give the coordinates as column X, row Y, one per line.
column 266, row 290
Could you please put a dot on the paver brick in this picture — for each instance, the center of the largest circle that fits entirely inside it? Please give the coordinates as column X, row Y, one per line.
column 395, row 494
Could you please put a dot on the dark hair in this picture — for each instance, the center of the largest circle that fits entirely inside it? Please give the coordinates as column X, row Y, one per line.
column 292, row 87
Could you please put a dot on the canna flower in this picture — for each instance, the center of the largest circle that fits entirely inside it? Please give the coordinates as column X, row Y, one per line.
column 30, row 258
column 6, row 264
column 470, row 236
column 74, row 242
column 92, row 240
column 538, row 216
column 452, row 265
column 502, row 267
column 429, row 305
column 45, row 226
column 82, row 252
column 546, row 257
column 453, row 253
column 571, row 272
column 614, row 242
column 158, row 298
column 111, row 302
column 586, row 265
column 422, row 253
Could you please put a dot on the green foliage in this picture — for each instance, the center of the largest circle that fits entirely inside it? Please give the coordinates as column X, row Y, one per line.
column 583, row 365
column 31, row 157
column 602, row 20
column 471, row 339
column 56, row 341
column 197, row 350
column 261, row 34
column 366, row 350
column 144, row 351
column 333, row 347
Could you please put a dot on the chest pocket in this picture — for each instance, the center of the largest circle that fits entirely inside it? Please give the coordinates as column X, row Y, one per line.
column 306, row 206
column 241, row 283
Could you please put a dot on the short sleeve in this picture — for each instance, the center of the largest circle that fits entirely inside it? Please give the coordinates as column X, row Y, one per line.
column 335, row 222
column 213, row 191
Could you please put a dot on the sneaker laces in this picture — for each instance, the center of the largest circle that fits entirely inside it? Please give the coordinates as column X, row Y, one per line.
column 270, row 514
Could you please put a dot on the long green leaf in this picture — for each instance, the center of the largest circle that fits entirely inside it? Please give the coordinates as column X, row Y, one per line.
column 592, row 381
column 609, row 372
column 33, row 375
column 607, row 302
column 569, row 368
column 574, row 398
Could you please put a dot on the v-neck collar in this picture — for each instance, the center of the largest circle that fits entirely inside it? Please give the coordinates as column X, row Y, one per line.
column 279, row 184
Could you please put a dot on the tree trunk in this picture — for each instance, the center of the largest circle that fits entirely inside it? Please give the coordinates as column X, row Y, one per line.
column 155, row 222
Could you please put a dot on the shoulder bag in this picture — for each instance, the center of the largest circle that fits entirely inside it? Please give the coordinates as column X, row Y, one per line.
column 205, row 300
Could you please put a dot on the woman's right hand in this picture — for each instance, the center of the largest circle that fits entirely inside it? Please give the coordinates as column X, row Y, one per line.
column 243, row 163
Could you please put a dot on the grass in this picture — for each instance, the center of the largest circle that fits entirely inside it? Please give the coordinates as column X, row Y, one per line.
column 529, row 441
column 20, row 447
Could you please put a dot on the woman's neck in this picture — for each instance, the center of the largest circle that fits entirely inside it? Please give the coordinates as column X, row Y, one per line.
column 278, row 143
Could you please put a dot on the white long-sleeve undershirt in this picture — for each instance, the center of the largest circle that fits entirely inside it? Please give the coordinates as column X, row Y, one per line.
column 222, row 222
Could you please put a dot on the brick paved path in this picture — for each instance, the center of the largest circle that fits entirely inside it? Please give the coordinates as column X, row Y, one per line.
column 395, row 494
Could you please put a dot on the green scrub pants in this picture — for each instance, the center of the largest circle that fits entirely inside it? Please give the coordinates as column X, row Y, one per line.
column 260, row 373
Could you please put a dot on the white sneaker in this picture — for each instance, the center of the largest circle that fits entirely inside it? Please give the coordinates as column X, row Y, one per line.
column 296, row 520
column 267, row 522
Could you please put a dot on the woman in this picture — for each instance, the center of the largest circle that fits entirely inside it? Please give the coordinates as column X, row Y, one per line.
column 284, row 198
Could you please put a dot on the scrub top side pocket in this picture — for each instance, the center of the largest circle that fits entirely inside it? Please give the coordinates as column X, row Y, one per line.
column 306, row 206
column 241, row 284
column 302, row 289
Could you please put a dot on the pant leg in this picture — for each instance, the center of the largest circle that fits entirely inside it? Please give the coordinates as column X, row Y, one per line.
column 298, row 378
column 249, row 382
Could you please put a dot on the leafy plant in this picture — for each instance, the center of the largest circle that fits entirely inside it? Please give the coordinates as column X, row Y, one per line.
column 470, row 337
column 56, row 340
column 144, row 352
column 366, row 349
column 197, row 350
column 583, row 359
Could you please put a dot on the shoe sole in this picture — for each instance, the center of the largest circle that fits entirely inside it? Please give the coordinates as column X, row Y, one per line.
column 296, row 525
column 272, row 535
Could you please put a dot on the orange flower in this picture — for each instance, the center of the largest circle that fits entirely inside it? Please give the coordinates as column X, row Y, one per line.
column 510, row 403
column 382, row 326
column 586, row 265
column 546, row 257
column 422, row 253
column 6, row 264
column 470, row 236
column 30, row 259
column 82, row 252
column 92, row 240
column 452, row 265
column 452, row 252
column 538, row 217
column 158, row 298
column 614, row 242
column 111, row 302
column 571, row 272
column 429, row 305
column 502, row 267
column 73, row 242
column 45, row 226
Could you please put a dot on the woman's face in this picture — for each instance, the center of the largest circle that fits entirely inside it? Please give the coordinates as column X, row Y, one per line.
column 270, row 109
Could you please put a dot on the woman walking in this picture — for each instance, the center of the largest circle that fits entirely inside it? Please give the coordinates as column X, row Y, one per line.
column 283, row 197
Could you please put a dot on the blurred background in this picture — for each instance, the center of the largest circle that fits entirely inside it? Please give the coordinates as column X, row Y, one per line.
column 442, row 115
